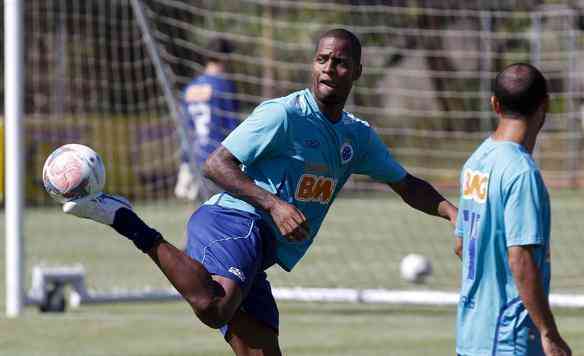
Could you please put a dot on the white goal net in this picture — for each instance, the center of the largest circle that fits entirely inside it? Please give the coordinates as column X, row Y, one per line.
column 100, row 74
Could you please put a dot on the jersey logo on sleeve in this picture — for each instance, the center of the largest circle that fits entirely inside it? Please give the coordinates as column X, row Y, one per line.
column 315, row 188
column 474, row 185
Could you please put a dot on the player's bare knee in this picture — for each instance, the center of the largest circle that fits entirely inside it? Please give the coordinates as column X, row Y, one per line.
column 210, row 312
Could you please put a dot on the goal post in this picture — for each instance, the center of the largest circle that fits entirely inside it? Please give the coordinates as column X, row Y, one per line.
column 110, row 74
column 13, row 150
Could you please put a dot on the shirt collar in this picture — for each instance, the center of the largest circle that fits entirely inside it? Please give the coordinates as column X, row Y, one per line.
column 311, row 100
column 522, row 148
column 314, row 107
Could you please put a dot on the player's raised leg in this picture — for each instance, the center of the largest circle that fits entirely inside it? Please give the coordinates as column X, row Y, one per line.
column 205, row 275
column 214, row 299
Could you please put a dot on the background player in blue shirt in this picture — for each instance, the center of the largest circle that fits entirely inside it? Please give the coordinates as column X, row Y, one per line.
column 211, row 112
column 504, row 227
column 281, row 170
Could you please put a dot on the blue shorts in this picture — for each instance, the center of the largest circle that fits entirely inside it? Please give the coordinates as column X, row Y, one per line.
column 236, row 245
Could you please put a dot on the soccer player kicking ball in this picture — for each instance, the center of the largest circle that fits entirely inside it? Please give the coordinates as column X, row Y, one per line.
column 504, row 228
column 281, row 169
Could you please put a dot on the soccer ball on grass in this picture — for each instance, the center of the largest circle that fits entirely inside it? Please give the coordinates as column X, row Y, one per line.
column 73, row 171
column 415, row 268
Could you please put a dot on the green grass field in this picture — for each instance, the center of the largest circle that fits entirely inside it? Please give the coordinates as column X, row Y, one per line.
column 308, row 329
column 359, row 246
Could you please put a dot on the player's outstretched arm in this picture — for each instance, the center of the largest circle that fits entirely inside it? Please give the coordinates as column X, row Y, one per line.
column 529, row 284
column 222, row 167
column 422, row 196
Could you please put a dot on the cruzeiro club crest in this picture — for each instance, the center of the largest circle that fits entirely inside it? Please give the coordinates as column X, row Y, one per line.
column 346, row 152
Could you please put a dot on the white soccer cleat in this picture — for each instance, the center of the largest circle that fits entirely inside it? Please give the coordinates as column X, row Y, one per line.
column 101, row 207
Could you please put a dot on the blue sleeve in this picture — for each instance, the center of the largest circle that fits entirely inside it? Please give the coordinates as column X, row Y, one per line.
column 523, row 210
column 262, row 134
column 185, row 105
column 459, row 228
column 376, row 161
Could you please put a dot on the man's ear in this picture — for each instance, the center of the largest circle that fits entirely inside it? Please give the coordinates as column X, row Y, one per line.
column 495, row 105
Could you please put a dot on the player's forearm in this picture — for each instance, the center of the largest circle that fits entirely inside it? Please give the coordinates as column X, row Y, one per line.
column 447, row 210
column 529, row 284
column 222, row 168
column 422, row 196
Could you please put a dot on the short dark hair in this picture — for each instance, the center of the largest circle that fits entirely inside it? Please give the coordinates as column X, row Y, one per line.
column 520, row 89
column 218, row 48
column 347, row 35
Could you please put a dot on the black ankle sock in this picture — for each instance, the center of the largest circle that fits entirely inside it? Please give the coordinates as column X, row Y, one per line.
column 128, row 224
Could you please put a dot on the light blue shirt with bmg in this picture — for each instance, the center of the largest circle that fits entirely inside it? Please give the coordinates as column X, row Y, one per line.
column 289, row 148
column 504, row 203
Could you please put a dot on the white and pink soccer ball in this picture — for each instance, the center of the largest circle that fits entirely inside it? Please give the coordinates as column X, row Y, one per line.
column 73, row 171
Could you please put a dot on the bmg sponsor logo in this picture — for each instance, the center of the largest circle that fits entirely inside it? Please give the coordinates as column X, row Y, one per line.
column 474, row 185
column 312, row 188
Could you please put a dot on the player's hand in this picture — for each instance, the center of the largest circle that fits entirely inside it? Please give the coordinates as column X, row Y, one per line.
column 555, row 346
column 458, row 247
column 290, row 221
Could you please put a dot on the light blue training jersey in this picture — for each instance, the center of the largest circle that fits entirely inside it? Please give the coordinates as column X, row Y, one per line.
column 289, row 148
column 503, row 203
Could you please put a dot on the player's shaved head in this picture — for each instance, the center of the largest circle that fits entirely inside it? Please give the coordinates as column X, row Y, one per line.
column 520, row 89
column 348, row 36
